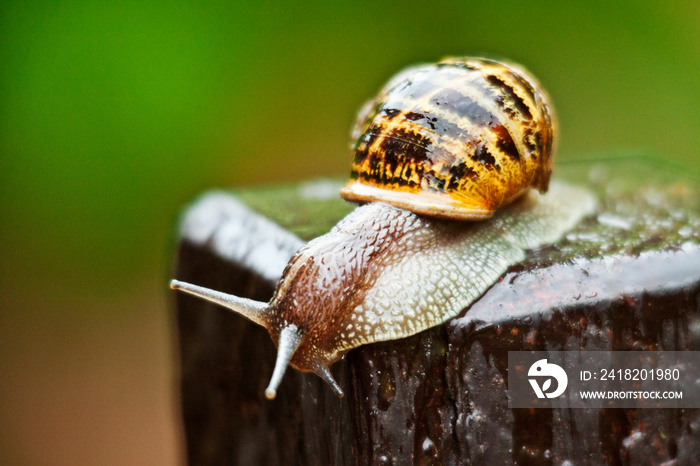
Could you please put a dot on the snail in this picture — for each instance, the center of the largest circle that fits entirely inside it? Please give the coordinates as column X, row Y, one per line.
column 442, row 146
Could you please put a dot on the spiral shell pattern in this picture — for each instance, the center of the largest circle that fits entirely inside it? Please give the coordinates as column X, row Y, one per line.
column 456, row 139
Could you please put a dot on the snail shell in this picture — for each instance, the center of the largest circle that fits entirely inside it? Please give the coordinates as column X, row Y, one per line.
column 384, row 272
column 456, row 139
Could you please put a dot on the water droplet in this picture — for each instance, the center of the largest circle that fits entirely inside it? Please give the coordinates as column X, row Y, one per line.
column 429, row 447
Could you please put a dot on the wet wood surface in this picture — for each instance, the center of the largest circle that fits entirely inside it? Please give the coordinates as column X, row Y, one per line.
column 627, row 278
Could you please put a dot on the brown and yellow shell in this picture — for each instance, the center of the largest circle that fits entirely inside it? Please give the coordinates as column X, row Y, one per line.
column 456, row 139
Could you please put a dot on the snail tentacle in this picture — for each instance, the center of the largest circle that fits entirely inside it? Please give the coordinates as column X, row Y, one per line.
column 290, row 338
column 325, row 373
column 256, row 311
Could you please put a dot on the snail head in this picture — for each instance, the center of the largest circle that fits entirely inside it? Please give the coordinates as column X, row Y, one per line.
column 295, row 346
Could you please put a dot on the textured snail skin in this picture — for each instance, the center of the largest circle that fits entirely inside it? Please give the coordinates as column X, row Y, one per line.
column 385, row 273
column 456, row 139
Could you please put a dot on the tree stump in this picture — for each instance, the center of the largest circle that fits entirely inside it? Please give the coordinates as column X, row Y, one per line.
column 627, row 278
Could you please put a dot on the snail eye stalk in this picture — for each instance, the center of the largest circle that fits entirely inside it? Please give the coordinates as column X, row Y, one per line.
column 256, row 311
column 289, row 341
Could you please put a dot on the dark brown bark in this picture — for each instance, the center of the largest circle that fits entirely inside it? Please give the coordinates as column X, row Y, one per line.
column 439, row 397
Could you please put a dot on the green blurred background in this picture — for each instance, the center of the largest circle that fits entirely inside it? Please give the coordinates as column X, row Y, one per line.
column 115, row 114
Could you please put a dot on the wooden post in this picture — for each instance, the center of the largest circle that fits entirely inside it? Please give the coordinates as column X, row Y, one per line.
column 627, row 278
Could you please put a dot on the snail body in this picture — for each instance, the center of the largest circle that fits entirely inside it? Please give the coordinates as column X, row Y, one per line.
column 440, row 144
